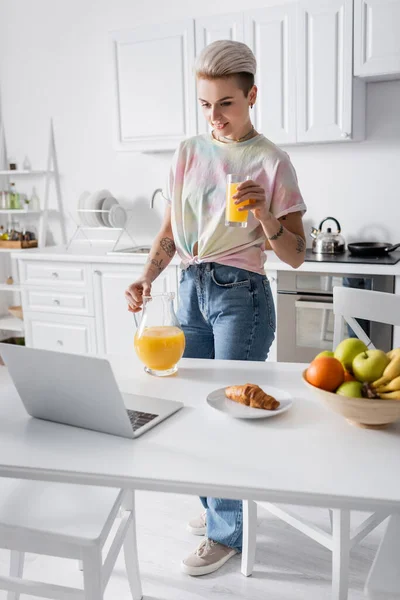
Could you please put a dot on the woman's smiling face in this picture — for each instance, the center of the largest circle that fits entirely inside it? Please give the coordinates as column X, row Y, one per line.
column 225, row 105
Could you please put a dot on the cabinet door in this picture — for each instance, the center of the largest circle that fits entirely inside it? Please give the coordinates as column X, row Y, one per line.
column 271, row 34
column 155, row 86
column 325, row 80
column 61, row 333
column 377, row 38
column 211, row 29
column 115, row 326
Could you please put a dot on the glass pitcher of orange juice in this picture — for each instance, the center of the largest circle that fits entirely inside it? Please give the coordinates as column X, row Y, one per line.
column 159, row 339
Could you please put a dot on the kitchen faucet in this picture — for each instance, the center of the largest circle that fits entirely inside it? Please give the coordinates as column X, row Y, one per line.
column 154, row 195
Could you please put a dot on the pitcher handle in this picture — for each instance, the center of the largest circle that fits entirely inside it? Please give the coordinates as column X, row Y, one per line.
column 136, row 320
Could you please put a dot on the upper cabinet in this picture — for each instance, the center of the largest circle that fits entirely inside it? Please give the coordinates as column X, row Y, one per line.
column 304, row 52
column 271, row 34
column 211, row 29
column 326, row 89
column 155, row 87
column 377, row 39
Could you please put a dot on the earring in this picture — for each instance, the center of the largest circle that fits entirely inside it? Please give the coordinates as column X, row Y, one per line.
column 251, row 106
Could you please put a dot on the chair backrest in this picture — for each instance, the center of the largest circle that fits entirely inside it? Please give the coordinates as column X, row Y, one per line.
column 350, row 304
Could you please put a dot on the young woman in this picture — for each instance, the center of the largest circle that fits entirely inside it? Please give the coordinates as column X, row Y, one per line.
column 225, row 304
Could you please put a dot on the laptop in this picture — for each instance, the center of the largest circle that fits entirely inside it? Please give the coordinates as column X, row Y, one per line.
column 80, row 391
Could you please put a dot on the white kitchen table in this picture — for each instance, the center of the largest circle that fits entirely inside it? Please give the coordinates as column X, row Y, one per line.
column 307, row 455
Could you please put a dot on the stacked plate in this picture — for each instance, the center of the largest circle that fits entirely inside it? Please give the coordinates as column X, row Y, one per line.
column 102, row 200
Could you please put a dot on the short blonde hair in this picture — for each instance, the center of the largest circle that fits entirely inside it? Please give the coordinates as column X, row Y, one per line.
column 225, row 58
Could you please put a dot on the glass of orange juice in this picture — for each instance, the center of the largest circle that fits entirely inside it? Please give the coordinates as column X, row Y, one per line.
column 233, row 216
column 159, row 340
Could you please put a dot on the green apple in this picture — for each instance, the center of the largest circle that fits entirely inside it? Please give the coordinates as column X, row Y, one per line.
column 369, row 366
column 347, row 350
column 327, row 353
column 351, row 389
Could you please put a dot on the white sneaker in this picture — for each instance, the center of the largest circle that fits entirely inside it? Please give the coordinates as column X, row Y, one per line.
column 198, row 526
column 207, row 558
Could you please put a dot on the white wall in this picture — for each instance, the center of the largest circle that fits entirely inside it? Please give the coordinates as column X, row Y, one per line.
column 55, row 61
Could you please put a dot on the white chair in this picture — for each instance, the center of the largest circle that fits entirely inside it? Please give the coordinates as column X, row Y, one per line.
column 67, row 521
column 348, row 304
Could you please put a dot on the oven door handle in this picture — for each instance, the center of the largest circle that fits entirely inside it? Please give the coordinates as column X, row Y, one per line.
column 303, row 303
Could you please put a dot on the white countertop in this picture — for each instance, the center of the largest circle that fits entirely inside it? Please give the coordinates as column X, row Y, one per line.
column 97, row 254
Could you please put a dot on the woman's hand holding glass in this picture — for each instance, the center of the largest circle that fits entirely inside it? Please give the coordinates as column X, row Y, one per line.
column 250, row 191
column 135, row 292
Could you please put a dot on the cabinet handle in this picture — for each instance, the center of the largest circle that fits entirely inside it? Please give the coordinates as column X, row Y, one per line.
column 60, row 343
column 56, row 302
column 345, row 135
column 271, row 279
column 97, row 272
column 54, row 275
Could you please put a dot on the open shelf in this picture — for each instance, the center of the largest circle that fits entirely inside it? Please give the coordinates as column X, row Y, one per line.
column 23, row 172
column 10, row 323
column 10, row 288
column 18, row 211
column 15, row 249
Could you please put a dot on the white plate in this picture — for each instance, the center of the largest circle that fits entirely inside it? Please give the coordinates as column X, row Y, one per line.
column 94, row 202
column 107, row 204
column 81, row 204
column 219, row 401
column 117, row 216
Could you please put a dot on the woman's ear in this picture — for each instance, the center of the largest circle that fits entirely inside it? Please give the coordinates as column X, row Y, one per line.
column 253, row 95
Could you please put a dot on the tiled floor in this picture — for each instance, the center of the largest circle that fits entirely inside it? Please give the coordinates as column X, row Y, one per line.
column 289, row 566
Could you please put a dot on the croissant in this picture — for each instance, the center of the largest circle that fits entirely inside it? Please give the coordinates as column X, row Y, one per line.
column 251, row 395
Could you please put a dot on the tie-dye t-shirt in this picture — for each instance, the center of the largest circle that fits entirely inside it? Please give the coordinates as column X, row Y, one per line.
column 196, row 189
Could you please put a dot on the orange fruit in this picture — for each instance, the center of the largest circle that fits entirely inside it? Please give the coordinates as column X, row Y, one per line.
column 348, row 376
column 326, row 373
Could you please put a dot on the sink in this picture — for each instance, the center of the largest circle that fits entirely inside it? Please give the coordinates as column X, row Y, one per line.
column 133, row 250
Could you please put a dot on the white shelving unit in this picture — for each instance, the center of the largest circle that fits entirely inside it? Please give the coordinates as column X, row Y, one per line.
column 10, row 323
column 51, row 175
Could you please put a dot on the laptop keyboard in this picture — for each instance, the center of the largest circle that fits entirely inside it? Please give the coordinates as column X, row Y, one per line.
column 138, row 418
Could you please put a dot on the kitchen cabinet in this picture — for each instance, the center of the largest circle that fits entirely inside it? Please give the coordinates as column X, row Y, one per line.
column 304, row 52
column 57, row 301
column 377, row 39
column 60, row 332
column 211, row 29
column 115, row 325
column 326, row 89
column 92, row 315
column 154, row 86
column 271, row 34
column 307, row 92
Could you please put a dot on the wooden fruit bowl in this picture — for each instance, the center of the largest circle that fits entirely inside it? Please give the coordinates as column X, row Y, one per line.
column 363, row 412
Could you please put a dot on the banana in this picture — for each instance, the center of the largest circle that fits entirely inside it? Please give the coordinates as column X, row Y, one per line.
column 392, row 353
column 390, row 395
column 392, row 386
column 391, row 372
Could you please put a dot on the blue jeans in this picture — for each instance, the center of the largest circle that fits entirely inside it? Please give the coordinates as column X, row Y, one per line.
column 226, row 313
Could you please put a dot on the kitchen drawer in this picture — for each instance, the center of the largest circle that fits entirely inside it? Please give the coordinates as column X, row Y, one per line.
column 53, row 273
column 62, row 333
column 79, row 302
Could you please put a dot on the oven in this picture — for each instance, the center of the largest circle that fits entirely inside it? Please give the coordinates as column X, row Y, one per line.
column 305, row 310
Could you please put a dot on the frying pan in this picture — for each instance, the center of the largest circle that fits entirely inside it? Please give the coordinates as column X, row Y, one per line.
column 371, row 248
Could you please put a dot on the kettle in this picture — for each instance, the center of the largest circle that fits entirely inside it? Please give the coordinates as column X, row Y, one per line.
column 327, row 242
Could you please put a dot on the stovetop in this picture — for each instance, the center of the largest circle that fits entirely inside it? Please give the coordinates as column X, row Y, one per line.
column 391, row 259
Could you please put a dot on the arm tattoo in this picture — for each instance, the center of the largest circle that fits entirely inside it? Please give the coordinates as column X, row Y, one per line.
column 168, row 246
column 157, row 264
column 277, row 234
column 300, row 244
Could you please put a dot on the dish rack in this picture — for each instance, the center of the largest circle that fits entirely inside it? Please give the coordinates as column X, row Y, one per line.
column 100, row 234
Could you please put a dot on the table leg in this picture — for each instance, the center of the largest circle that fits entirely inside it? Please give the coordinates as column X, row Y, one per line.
column 130, row 551
column 383, row 581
